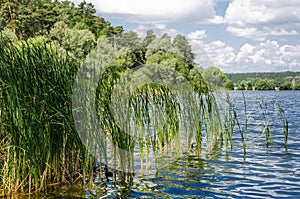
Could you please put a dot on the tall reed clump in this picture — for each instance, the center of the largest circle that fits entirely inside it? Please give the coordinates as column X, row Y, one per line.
column 38, row 142
column 141, row 108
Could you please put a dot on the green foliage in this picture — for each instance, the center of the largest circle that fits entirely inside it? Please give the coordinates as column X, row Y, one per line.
column 150, row 36
column 10, row 34
column 245, row 85
column 77, row 42
column 286, row 86
column 229, row 85
column 147, row 89
column 28, row 18
column 296, row 87
column 184, row 48
column 278, row 78
column 163, row 43
column 197, row 81
column 264, row 84
column 129, row 40
column 214, row 77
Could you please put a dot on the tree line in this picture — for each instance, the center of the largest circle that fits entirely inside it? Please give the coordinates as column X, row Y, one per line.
column 264, row 81
column 27, row 18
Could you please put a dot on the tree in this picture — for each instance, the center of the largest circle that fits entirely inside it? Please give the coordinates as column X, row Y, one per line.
column 297, row 86
column 214, row 77
column 170, row 60
column 78, row 42
column 150, row 36
column 184, row 48
column 28, row 18
column 129, row 40
column 245, row 85
column 264, row 84
column 286, row 86
column 229, row 85
column 163, row 43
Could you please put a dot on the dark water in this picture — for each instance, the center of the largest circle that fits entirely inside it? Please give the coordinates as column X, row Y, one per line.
column 272, row 172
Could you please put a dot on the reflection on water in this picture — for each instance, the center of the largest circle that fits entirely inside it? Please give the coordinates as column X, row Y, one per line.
column 263, row 173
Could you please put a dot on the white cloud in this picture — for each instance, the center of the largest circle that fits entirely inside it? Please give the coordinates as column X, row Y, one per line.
column 283, row 32
column 257, row 19
column 264, row 28
column 251, row 33
column 197, row 35
column 215, row 53
column 245, row 12
column 244, row 54
column 268, row 55
column 156, row 11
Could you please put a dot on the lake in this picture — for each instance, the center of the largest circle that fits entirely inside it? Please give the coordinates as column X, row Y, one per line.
column 272, row 172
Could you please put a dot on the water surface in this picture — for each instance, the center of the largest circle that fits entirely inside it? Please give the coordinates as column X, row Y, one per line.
column 272, row 172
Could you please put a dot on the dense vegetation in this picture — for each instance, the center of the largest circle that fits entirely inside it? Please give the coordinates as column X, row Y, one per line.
column 28, row 18
column 265, row 81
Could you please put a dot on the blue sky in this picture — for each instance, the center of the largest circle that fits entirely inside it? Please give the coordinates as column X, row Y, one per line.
column 234, row 35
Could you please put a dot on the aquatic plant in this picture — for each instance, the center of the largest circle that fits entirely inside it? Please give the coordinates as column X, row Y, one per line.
column 146, row 104
column 264, row 110
column 284, row 121
column 232, row 119
column 39, row 143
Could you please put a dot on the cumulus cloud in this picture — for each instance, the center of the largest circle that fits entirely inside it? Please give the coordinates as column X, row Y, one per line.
column 268, row 55
column 202, row 58
column 251, row 33
column 220, row 53
column 157, row 11
column 197, row 35
column 258, row 19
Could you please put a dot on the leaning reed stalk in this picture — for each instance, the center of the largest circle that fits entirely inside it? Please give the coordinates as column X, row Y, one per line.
column 284, row 121
column 229, row 122
column 242, row 129
column 266, row 122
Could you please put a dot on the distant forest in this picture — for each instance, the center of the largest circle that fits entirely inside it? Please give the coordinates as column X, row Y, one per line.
column 278, row 78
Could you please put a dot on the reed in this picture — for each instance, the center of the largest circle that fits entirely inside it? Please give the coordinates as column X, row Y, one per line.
column 264, row 110
column 148, row 113
column 284, row 121
column 39, row 142
column 232, row 119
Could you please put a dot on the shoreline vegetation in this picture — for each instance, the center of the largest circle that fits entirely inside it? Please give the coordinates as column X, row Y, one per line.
column 43, row 46
column 264, row 81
